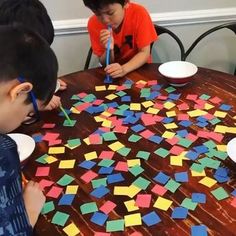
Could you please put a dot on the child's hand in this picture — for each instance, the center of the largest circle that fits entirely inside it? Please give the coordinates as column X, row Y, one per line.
column 115, row 70
column 104, row 36
column 53, row 104
column 63, row 84
column 34, row 200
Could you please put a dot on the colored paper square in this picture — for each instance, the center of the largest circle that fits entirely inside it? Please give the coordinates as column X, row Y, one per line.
column 60, row 218
column 151, row 218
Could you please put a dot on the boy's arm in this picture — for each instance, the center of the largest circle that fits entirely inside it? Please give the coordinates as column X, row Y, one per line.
column 102, row 59
column 116, row 70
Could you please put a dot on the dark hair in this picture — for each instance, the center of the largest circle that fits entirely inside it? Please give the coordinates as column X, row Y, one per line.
column 96, row 5
column 30, row 13
column 24, row 53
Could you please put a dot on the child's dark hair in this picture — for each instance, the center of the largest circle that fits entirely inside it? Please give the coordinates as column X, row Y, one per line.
column 96, row 5
column 26, row 54
column 30, row 13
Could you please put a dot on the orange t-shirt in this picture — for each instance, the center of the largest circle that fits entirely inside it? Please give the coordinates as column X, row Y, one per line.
column 137, row 31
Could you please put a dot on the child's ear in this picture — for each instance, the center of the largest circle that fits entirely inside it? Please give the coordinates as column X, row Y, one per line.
column 20, row 89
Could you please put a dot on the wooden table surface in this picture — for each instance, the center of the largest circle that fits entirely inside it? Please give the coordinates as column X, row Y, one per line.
column 218, row 216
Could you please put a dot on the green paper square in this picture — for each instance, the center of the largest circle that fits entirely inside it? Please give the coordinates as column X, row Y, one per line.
column 204, row 97
column 99, row 182
column 41, row 159
column 220, row 193
column 70, row 123
column 172, row 185
column 115, row 225
column 124, row 151
column 134, row 138
column 141, row 183
column 109, row 136
column 144, row 155
column 208, row 162
column 121, row 93
column 65, row 180
column 187, row 203
column 48, row 207
column 89, row 98
column 88, row 208
column 136, row 170
column 170, row 89
column 106, row 162
column 210, row 144
column 184, row 142
column 60, row 218
column 215, row 121
column 74, row 142
column 197, row 167
column 162, row 152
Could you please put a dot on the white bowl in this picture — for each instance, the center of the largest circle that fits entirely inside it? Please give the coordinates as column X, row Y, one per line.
column 231, row 149
column 25, row 145
column 178, row 73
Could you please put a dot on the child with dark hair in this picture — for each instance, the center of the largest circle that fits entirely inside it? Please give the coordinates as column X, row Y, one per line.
column 25, row 59
column 131, row 36
column 31, row 14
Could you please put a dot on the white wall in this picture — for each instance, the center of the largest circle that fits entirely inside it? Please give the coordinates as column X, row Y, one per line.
column 187, row 18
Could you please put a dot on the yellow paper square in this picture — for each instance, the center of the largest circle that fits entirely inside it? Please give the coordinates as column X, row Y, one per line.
column 100, row 88
column 169, row 105
column 130, row 205
column 71, row 230
column 152, row 110
column 112, row 87
column 220, row 114
column 168, row 135
column 195, row 173
column 72, row 189
column 208, row 106
column 133, row 219
column 67, row 164
column 147, row 104
column 111, row 96
column 133, row 162
column 116, row 146
column 56, row 150
column 135, row 106
column 141, row 82
column 231, row 130
column 133, row 190
column 90, row 155
column 220, row 129
column 107, row 123
column 99, row 118
column 106, row 114
column 171, row 126
column 196, row 113
column 162, row 203
column 121, row 190
column 170, row 113
column 176, row 161
column 74, row 110
column 222, row 148
column 207, row 181
column 50, row 159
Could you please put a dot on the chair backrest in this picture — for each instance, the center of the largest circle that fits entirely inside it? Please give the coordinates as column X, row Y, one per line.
column 162, row 30
column 230, row 26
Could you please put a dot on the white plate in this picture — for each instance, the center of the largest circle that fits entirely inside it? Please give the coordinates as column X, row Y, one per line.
column 178, row 69
column 58, row 86
column 231, row 149
column 25, row 144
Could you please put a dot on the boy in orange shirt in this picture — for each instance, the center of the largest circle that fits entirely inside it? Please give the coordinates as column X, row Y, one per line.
column 131, row 36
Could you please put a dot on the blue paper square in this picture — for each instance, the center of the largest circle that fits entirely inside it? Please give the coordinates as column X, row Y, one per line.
column 179, row 213
column 199, row 230
column 201, row 149
column 100, row 192
column 151, row 218
column 225, row 107
column 99, row 218
column 181, row 177
column 161, row 178
column 87, row 164
column 138, row 128
column 126, row 99
column 185, row 123
column 199, row 197
column 156, row 139
column 192, row 155
column 167, row 120
column 105, row 170
column 182, row 133
column 66, row 199
column 115, row 178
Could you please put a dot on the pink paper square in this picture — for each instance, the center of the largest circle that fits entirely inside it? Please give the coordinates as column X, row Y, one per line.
column 107, row 207
column 215, row 100
column 101, row 234
column 106, row 155
column 191, row 137
column 183, row 107
column 45, row 183
column 88, row 176
column 146, row 134
column 82, row 95
column 192, row 97
column 176, row 150
column 122, row 166
column 152, row 82
column 95, row 139
column 54, row 142
column 172, row 141
column 42, row 171
column 83, row 106
column 98, row 102
column 54, row 192
column 183, row 117
column 48, row 125
column 159, row 190
column 120, row 129
column 143, row 200
column 50, row 136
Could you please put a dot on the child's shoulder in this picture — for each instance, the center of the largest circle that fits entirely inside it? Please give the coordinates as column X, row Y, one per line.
column 6, row 142
column 136, row 9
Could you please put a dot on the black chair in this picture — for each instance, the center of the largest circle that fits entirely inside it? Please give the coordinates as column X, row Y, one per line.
column 230, row 26
column 160, row 30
